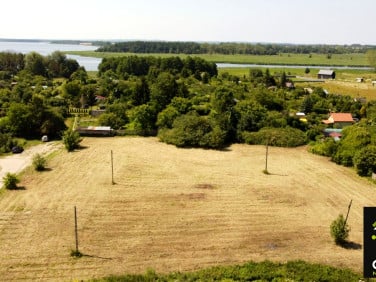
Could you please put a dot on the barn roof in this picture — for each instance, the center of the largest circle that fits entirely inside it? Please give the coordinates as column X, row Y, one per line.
column 326, row 72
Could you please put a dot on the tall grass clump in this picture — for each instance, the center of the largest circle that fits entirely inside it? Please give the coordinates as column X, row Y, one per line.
column 39, row 162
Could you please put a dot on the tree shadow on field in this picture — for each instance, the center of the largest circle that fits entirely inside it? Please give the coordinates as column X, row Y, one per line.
column 276, row 174
column 46, row 169
column 351, row 245
column 97, row 257
column 80, row 148
column 18, row 188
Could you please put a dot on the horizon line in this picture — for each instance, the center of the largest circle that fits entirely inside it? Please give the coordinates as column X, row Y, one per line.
column 117, row 40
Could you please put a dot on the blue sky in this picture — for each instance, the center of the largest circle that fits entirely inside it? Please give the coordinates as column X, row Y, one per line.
column 278, row 21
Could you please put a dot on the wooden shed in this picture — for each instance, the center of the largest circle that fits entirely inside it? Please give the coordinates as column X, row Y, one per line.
column 326, row 74
column 96, row 131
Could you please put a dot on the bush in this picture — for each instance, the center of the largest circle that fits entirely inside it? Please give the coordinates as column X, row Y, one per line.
column 112, row 120
column 339, row 230
column 365, row 161
column 324, row 148
column 39, row 162
column 71, row 140
column 281, row 137
column 6, row 143
column 192, row 130
column 10, row 181
column 354, row 138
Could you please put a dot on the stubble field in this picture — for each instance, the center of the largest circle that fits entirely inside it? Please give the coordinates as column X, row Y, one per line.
column 177, row 209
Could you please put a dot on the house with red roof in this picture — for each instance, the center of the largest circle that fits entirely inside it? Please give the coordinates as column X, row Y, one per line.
column 339, row 120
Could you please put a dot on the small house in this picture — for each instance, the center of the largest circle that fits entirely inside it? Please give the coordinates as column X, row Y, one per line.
column 326, row 74
column 339, row 120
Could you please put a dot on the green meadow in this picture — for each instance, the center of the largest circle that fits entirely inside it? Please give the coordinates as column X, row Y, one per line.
column 352, row 59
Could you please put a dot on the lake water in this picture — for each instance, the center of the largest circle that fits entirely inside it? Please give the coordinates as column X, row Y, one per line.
column 91, row 64
column 46, row 48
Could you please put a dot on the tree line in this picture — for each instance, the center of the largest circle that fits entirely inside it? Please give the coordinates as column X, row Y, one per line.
column 54, row 65
column 141, row 66
column 228, row 48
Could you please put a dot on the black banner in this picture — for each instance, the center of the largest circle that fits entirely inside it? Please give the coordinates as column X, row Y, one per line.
column 369, row 242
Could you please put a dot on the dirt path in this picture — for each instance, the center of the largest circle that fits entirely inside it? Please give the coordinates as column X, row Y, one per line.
column 18, row 162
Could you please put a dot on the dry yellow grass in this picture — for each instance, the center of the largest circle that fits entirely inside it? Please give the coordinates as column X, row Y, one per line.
column 177, row 209
column 353, row 89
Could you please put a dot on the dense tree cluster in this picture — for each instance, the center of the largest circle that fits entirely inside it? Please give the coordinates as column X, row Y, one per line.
column 54, row 65
column 141, row 66
column 357, row 147
column 173, row 47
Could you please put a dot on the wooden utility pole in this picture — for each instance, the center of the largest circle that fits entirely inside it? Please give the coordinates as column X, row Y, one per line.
column 75, row 229
column 348, row 210
column 112, row 169
column 266, row 157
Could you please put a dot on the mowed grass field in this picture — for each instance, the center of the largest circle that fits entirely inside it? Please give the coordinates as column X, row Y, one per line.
column 177, row 209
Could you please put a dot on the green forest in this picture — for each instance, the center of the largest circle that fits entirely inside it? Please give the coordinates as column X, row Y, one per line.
column 228, row 48
column 185, row 102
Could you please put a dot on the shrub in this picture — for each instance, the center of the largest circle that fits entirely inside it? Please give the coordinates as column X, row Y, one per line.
column 324, row 148
column 339, row 230
column 10, row 181
column 281, row 137
column 354, row 138
column 39, row 162
column 71, row 140
column 112, row 120
column 6, row 143
column 365, row 161
column 192, row 130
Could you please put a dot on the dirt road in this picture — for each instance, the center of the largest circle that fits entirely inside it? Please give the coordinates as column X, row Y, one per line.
column 18, row 162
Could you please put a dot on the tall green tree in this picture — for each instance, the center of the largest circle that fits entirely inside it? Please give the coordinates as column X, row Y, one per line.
column 283, row 80
column 354, row 138
column 365, row 160
column 223, row 112
column 21, row 120
column 35, row 63
column 12, row 62
column 163, row 91
column 141, row 93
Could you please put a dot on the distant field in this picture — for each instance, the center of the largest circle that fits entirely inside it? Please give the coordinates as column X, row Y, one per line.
column 177, row 209
column 351, row 88
column 282, row 59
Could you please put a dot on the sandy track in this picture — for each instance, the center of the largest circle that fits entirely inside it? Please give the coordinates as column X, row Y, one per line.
column 177, row 209
column 18, row 162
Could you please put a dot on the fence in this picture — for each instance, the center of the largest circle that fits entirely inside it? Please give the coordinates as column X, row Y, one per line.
column 79, row 111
